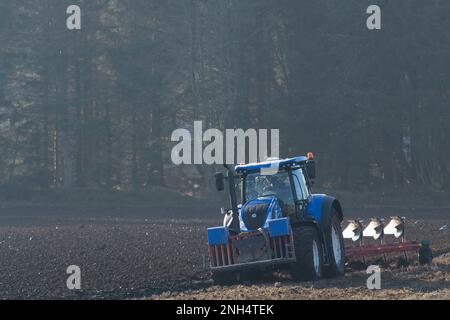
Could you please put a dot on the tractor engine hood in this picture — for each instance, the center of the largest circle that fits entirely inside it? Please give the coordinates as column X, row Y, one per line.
column 255, row 213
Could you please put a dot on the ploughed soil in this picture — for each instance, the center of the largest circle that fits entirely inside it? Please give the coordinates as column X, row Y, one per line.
column 412, row 282
column 142, row 256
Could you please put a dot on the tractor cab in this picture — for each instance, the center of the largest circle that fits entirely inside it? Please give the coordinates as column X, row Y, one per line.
column 269, row 190
column 281, row 186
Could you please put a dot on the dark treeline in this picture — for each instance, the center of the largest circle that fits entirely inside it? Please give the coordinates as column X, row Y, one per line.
column 95, row 108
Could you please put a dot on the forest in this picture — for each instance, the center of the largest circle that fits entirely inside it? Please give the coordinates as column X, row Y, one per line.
column 94, row 109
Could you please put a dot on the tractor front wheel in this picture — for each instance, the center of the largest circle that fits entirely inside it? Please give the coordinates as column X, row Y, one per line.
column 308, row 252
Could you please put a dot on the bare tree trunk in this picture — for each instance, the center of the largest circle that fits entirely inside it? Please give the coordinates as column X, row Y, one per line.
column 108, row 146
column 65, row 125
column 134, row 168
column 194, row 48
column 79, row 119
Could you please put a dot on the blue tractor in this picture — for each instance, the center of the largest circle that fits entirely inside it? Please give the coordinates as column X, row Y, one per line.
column 279, row 223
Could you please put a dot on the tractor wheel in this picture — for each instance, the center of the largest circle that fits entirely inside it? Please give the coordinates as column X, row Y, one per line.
column 308, row 252
column 335, row 245
column 425, row 254
column 226, row 278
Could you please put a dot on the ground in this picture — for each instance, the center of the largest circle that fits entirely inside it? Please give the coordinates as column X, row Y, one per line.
column 148, row 257
column 415, row 282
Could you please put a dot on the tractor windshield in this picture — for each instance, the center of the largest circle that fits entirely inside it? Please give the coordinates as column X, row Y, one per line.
column 279, row 185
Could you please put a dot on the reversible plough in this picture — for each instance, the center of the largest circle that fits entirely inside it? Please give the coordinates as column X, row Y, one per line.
column 378, row 239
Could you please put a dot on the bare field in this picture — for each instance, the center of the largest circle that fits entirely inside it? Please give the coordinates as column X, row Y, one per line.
column 414, row 282
column 149, row 258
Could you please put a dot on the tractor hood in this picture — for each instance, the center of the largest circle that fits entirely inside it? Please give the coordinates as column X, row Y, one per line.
column 255, row 213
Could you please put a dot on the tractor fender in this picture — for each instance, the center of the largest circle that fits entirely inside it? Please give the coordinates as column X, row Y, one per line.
column 320, row 210
column 321, row 206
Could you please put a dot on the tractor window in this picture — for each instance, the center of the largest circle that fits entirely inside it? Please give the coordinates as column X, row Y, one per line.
column 279, row 185
column 300, row 185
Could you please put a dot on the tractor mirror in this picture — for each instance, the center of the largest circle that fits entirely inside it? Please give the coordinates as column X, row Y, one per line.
column 311, row 169
column 219, row 181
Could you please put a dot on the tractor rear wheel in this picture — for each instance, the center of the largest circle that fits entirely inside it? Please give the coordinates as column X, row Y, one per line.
column 335, row 246
column 308, row 252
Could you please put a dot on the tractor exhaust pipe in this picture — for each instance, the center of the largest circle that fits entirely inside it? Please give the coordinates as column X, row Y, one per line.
column 233, row 200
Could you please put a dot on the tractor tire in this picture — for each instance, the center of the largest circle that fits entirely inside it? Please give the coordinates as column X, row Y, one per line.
column 309, row 254
column 425, row 255
column 226, row 278
column 336, row 250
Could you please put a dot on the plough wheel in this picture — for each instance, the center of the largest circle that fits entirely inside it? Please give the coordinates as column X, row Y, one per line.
column 308, row 251
column 425, row 253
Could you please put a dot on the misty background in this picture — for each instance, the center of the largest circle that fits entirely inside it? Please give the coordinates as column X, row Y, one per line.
column 87, row 115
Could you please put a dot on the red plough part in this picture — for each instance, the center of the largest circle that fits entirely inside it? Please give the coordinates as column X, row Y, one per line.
column 376, row 230
column 370, row 250
column 221, row 255
column 277, row 250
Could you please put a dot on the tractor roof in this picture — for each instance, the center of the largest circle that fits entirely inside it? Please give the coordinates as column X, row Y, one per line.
column 280, row 163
